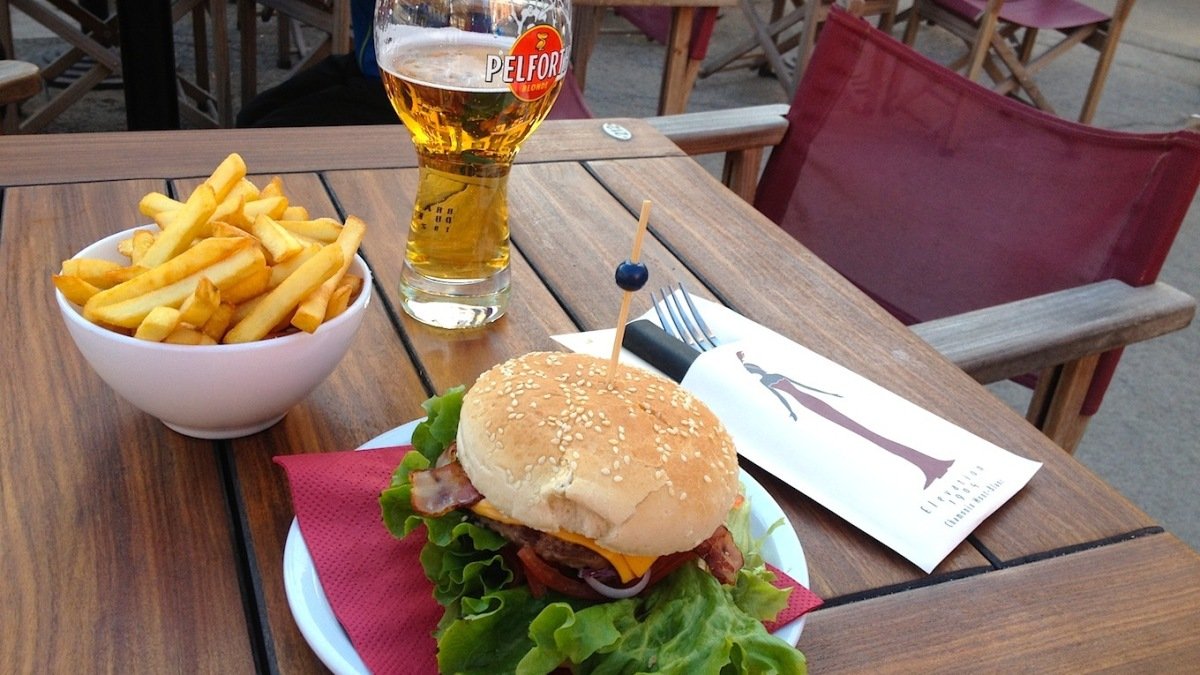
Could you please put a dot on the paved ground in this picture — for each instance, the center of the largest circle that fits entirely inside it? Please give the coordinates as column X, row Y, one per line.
column 1144, row 441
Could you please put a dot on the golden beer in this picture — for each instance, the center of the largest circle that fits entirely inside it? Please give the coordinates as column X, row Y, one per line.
column 466, row 131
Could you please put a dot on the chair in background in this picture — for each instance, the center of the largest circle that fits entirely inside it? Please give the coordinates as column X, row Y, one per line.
column 1001, row 36
column 771, row 38
column 93, row 49
column 684, row 28
column 1011, row 240
column 19, row 81
column 206, row 98
column 330, row 17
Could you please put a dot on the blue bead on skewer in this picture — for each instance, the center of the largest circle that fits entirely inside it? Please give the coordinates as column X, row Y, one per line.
column 631, row 276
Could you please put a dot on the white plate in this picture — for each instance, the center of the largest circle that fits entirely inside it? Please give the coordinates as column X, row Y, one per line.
column 324, row 634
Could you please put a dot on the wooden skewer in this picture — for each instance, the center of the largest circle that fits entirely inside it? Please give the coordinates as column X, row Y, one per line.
column 627, row 296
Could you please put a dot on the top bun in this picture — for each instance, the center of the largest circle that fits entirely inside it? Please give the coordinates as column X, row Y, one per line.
column 635, row 463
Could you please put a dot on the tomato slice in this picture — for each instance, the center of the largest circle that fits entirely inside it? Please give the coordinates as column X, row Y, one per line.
column 662, row 568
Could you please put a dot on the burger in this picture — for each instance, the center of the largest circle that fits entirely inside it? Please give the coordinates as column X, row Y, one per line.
column 580, row 516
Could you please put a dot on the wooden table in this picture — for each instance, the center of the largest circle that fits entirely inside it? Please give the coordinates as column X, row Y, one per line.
column 127, row 547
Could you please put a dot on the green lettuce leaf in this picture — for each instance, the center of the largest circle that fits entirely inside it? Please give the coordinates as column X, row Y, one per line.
column 688, row 622
column 437, row 431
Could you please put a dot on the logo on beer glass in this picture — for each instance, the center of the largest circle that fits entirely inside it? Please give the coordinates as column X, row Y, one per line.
column 535, row 63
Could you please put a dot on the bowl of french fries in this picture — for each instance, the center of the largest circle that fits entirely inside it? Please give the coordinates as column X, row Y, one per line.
column 225, row 313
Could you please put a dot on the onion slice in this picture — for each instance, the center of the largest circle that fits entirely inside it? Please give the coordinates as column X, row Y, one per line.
column 616, row 592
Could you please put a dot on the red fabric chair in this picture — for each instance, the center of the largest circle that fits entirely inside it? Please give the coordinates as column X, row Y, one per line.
column 988, row 27
column 570, row 104
column 937, row 196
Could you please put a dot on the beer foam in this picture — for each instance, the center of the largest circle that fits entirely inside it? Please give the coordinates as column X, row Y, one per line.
column 446, row 58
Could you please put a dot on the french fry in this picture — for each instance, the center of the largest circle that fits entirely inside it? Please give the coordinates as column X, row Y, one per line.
column 273, row 188
column 284, row 269
column 158, row 324
column 74, row 288
column 242, row 310
column 187, row 224
column 272, row 206
column 199, row 306
column 247, row 188
column 253, row 285
column 229, row 210
column 102, row 274
column 128, row 312
column 89, row 269
column 279, row 243
column 293, row 212
column 347, row 288
column 183, row 335
column 220, row 228
column 228, row 173
column 219, row 322
column 196, row 258
column 275, row 306
column 324, row 230
column 140, row 243
column 118, row 276
column 155, row 203
column 311, row 312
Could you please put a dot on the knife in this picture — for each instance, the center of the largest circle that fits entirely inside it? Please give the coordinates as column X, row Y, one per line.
column 659, row 348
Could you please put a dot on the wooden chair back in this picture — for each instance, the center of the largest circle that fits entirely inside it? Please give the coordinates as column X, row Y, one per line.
column 330, row 17
column 94, row 54
column 771, row 38
column 1001, row 36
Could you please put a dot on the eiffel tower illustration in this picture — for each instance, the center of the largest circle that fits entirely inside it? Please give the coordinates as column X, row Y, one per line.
column 779, row 385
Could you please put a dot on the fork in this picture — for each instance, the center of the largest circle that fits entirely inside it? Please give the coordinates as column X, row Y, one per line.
column 685, row 323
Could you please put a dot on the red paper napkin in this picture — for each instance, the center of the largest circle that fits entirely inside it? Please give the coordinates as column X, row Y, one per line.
column 373, row 581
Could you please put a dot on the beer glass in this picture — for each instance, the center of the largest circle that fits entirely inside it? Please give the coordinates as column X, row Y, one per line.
column 471, row 79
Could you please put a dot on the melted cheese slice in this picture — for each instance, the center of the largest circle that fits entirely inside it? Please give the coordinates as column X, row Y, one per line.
column 629, row 567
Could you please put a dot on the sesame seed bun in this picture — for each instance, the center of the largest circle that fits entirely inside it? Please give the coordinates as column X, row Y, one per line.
column 635, row 463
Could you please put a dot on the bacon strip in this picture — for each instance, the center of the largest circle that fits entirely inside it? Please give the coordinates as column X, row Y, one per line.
column 721, row 555
column 438, row 491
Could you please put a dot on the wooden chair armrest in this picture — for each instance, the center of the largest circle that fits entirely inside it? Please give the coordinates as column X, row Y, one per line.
column 742, row 134
column 702, row 133
column 1004, row 341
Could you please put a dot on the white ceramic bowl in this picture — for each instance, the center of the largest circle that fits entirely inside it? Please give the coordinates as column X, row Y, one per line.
column 214, row 391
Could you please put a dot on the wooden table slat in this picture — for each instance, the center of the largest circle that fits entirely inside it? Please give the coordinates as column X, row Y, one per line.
column 1128, row 607
column 177, row 154
column 114, row 533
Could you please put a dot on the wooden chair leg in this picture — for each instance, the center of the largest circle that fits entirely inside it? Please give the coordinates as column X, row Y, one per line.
column 1058, row 399
column 283, row 27
column 913, row 23
column 741, row 170
column 673, row 96
column 1022, row 76
column 248, row 32
column 585, row 26
column 984, row 38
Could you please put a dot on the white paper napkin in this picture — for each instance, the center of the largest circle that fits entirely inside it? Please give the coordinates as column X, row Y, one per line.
column 903, row 475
